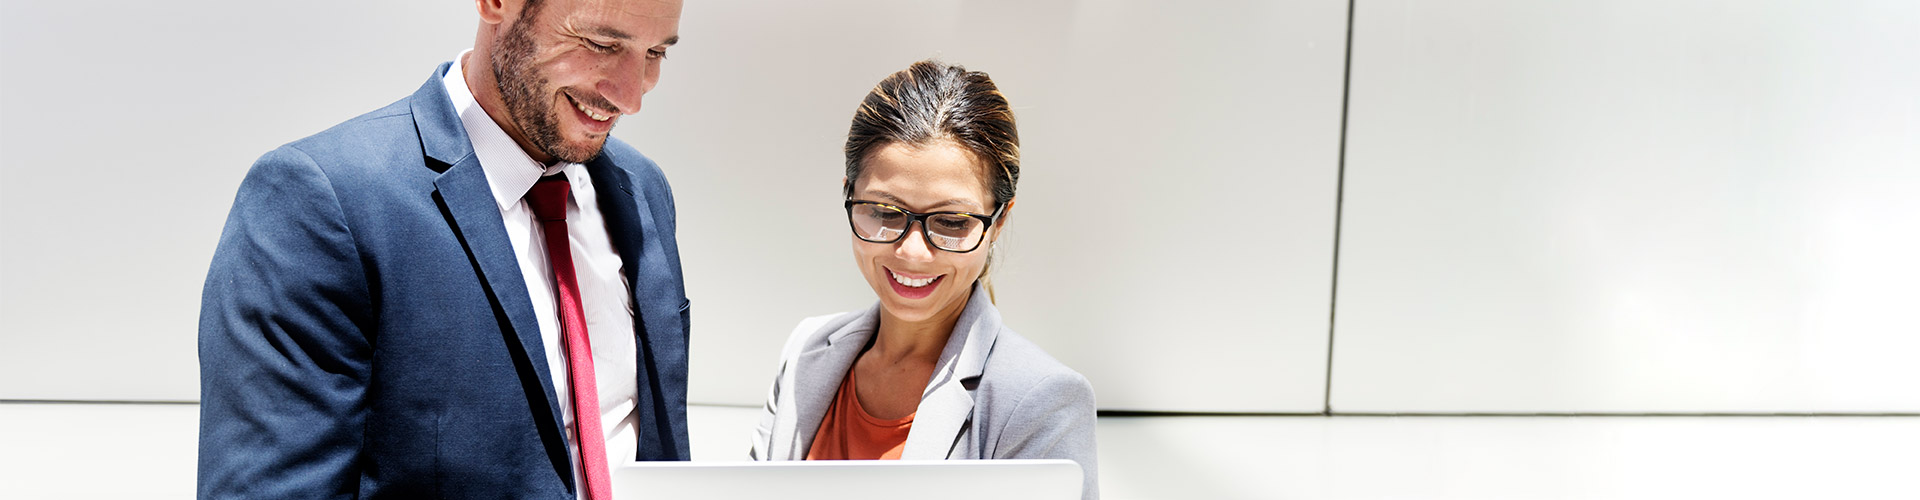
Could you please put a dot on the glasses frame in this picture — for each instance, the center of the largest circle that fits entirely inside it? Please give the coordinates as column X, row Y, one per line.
column 921, row 219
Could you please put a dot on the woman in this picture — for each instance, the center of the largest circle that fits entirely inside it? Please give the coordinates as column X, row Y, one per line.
column 928, row 372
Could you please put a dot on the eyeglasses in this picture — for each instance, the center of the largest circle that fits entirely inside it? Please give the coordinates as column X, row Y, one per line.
column 958, row 232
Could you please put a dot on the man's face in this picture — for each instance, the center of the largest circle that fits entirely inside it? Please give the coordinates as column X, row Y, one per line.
column 568, row 69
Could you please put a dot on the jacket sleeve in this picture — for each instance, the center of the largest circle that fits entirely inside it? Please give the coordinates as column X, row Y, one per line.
column 763, row 432
column 1055, row 419
column 284, row 356
column 774, row 424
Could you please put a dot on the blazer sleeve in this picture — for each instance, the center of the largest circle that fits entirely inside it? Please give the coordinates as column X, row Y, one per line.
column 1055, row 419
column 770, row 412
column 284, row 357
column 772, row 422
column 763, row 432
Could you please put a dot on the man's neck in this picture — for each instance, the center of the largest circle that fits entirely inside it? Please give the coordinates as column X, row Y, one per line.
column 477, row 69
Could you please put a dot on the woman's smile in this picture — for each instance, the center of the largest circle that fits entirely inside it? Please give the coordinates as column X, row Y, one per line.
column 914, row 286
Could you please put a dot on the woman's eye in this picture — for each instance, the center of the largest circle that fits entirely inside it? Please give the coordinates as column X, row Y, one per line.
column 953, row 225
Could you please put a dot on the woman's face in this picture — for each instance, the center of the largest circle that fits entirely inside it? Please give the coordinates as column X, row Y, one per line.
column 917, row 282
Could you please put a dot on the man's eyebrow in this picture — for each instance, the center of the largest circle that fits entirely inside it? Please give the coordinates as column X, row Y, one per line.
column 617, row 34
column 611, row 32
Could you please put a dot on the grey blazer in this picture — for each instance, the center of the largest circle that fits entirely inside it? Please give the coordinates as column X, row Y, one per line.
column 993, row 394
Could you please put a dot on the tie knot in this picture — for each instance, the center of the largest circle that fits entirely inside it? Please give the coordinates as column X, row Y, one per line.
column 548, row 198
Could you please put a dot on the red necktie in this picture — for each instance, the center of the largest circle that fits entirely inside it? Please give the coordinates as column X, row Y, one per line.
column 548, row 198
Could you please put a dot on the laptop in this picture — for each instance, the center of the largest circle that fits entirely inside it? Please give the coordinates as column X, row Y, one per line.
column 850, row 480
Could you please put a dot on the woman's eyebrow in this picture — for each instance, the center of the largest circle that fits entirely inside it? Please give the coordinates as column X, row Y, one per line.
column 889, row 197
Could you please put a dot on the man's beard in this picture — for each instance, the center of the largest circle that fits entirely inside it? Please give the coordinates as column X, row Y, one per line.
column 526, row 93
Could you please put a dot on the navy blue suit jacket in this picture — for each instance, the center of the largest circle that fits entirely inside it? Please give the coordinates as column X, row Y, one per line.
column 365, row 331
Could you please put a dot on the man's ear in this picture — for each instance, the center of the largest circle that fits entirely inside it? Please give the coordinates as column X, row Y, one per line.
column 495, row 11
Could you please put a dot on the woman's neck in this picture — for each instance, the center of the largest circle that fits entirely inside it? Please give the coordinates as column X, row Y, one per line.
column 901, row 341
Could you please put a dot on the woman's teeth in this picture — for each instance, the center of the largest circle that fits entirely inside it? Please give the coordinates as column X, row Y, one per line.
column 590, row 114
column 911, row 283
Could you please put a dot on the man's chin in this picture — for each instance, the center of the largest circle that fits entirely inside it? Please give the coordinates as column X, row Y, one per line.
column 578, row 151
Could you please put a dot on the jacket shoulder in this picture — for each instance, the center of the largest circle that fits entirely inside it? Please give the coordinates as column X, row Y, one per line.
column 814, row 330
column 1020, row 378
column 643, row 169
column 364, row 149
column 1017, row 362
column 375, row 133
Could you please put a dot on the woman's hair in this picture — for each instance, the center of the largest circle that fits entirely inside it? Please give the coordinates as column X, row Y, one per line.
column 932, row 101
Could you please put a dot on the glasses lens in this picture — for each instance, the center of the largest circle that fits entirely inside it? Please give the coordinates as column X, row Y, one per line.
column 955, row 232
column 877, row 223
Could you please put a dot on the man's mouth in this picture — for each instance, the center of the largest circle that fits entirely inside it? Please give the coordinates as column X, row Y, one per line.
column 595, row 114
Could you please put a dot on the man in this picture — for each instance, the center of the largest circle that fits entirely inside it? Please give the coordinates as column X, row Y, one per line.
column 470, row 293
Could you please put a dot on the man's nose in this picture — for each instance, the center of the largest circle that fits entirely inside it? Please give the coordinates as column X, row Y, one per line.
column 627, row 80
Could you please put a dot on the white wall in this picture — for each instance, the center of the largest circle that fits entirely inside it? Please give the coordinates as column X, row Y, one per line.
column 1619, row 207
column 1176, row 192
column 1153, row 135
column 1639, row 206
column 125, row 128
column 1615, row 207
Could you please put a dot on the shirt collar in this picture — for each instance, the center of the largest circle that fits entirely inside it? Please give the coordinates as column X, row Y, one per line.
column 510, row 171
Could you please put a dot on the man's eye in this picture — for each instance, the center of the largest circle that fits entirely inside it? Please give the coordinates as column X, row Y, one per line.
column 597, row 46
column 656, row 54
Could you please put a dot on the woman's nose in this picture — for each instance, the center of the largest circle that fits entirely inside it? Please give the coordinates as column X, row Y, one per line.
column 913, row 245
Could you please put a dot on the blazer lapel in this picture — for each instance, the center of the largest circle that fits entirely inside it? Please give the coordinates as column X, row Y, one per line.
column 947, row 406
column 467, row 200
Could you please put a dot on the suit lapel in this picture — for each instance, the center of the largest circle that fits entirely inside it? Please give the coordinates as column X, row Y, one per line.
column 947, row 406
column 463, row 188
column 467, row 200
column 659, row 337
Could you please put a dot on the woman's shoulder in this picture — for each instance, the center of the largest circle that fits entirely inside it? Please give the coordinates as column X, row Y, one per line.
column 1019, row 365
column 814, row 330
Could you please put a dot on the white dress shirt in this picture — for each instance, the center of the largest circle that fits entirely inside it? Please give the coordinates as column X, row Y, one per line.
column 604, row 295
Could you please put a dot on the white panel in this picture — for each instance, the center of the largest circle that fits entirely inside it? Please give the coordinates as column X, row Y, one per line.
column 1484, row 458
column 722, row 433
column 1173, row 236
column 148, row 451
column 1640, row 206
column 99, row 451
column 125, row 128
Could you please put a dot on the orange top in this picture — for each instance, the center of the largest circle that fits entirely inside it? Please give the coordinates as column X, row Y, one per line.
column 849, row 433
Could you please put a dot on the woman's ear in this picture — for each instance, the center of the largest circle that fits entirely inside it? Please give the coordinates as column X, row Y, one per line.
column 1000, row 224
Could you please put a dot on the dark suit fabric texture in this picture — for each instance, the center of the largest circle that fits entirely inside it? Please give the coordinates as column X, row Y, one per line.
column 365, row 331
